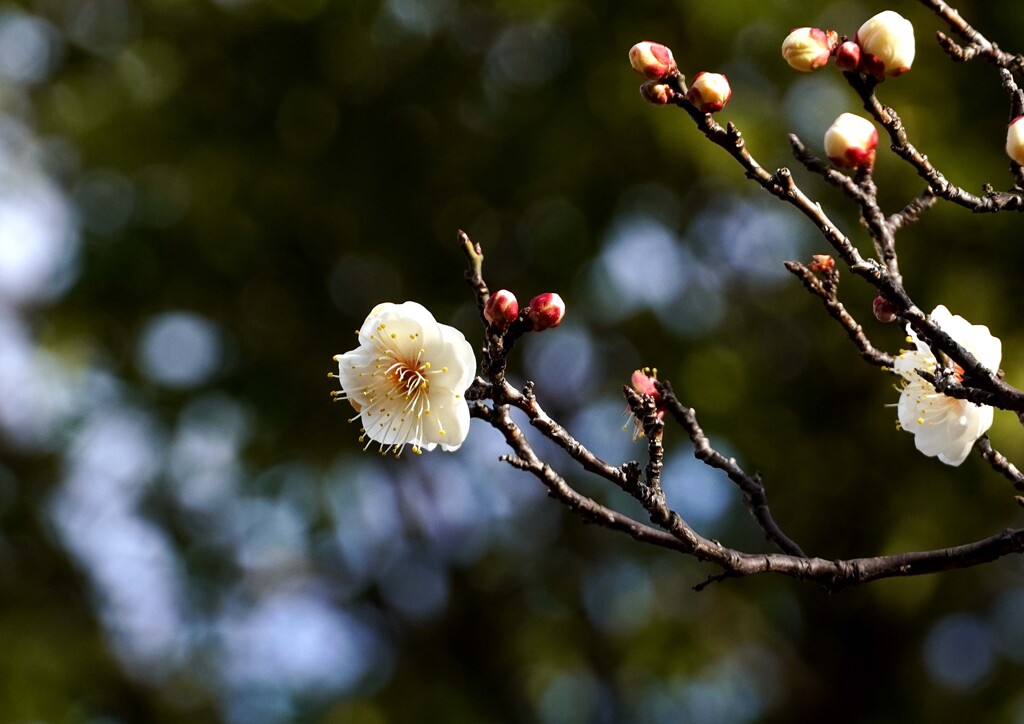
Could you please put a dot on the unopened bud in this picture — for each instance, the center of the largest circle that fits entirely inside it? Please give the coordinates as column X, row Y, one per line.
column 501, row 309
column 848, row 56
column 656, row 92
column 709, row 92
column 822, row 263
column 546, row 310
column 807, row 49
column 887, row 44
column 885, row 311
column 850, row 141
column 643, row 382
column 1015, row 140
column 652, row 60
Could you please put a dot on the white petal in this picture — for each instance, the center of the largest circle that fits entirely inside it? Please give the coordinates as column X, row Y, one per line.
column 458, row 358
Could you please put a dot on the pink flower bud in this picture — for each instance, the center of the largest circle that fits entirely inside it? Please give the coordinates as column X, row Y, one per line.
column 652, row 60
column 546, row 310
column 643, row 382
column 501, row 309
column 709, row 92
column 848, row 56
column 850, row 142
column 887, row 44
column 656, row 92
column 885, row 311
column 1015, row 140
column 807, row 49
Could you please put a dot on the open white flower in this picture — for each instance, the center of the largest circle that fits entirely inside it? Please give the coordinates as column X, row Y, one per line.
column 944, row 426
column 407, row 379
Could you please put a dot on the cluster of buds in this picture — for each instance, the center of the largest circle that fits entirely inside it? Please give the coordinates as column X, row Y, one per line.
column 850, row 142
column 883, row 46
column 544, row 311
column 643, row 381
column 709, row 92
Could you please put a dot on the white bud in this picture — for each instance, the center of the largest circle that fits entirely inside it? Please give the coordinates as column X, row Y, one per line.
column 1015, row 140
column 850, row 141
column 652, row 60
column 807, row 49
column 887, row 44
column 709, row 92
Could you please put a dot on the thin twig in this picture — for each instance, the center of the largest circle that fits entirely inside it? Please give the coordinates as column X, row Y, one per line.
column 751, row 485
column 838, row 312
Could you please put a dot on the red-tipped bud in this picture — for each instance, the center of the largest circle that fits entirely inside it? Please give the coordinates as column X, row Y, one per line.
column 887, row 44
column 807, row 49
column 643, row 382
column 652, row 60
column 885, row 311
column 656, row 92
column 850, row 142
column 546, row 311
column 501, row 309
column 1015, row 140
column 709, row 92
column 848, row 56
column 822, row 263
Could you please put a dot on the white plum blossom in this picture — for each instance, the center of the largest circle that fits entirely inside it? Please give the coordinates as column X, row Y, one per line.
column 407, row 380
column 944, row 426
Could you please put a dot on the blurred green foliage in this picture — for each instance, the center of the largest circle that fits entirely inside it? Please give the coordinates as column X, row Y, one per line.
column 271, row 169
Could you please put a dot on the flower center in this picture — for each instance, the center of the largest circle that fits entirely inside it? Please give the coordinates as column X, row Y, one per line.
column 408, row 378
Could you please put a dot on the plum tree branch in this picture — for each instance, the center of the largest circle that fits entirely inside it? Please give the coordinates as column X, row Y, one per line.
column 959, row 374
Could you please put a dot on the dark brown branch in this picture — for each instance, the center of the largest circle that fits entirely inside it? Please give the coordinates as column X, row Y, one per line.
column 589, row 509
column 912, row 211
column 832, row 574
column 782, row 185
column 753, row 489
column 991, row 202
column 999, row 462
column 863, row 192
column 978, row 44
column 838, row 312
column 645, row 409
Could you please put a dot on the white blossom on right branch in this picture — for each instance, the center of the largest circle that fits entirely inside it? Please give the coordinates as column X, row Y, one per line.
column 944, row 426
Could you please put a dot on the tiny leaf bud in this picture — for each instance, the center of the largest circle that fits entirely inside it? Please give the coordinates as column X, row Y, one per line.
column 885, row 311
column 822, row 263
column 807, row 49
column 848, row 56
column 709, row 92
column 1015, row 140
column 887, row 44
column 656, row 92
column 652, row 60
column 850, row 141
column 501, row 309
column 546, row 310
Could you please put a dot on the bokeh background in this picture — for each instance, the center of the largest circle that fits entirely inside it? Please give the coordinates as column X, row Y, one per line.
column 201, row 199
